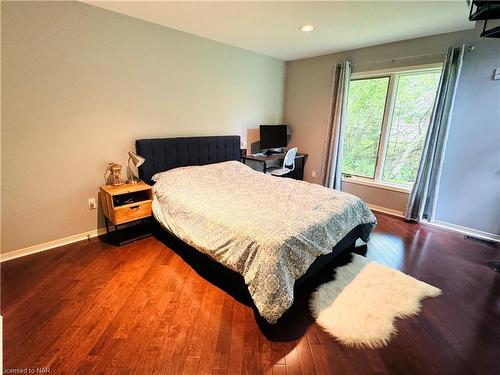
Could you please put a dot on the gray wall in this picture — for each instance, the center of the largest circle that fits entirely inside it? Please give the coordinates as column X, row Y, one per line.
column 80, row 84
column 470, row 184
column 469, row 194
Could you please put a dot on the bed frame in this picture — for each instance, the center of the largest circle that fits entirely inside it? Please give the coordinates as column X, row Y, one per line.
column 163, row 154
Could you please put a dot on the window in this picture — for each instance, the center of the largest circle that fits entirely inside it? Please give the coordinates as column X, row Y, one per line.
column 386, row 124
column 365, row 114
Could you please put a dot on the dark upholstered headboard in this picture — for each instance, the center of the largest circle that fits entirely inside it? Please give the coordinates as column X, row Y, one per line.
column 163, row 154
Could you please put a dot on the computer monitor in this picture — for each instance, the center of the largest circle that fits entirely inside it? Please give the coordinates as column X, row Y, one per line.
column 273, row 136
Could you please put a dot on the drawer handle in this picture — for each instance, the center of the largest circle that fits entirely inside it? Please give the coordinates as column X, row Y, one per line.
column 134, row 207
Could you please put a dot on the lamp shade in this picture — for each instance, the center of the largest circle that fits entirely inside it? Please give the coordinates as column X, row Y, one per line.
column 136, row 159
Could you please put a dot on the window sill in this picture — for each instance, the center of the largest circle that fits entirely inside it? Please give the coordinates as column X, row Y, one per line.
column 378, row 185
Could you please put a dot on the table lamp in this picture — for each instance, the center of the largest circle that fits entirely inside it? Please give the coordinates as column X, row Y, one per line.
column 137, row 161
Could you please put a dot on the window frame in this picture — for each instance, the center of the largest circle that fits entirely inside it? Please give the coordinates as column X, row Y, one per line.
column 390, row 101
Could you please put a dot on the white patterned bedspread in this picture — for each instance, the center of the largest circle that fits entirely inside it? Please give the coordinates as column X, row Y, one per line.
column 269, row 229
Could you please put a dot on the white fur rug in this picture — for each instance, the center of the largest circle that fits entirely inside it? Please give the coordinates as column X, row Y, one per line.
column 359, row 307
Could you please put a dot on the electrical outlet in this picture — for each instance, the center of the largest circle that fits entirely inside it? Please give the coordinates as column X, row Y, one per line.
column 92, row 204
column 313, row 173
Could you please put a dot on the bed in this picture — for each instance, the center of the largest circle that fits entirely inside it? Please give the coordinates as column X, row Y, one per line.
column 273, row 231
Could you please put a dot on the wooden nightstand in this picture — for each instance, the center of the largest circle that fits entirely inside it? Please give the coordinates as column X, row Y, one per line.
column 125, row 204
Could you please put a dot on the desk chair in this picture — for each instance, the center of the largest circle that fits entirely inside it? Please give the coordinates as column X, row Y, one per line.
column 288, row 161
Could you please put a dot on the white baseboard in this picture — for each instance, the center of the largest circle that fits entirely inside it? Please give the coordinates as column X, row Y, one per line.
column 462, row 230
column 97, row 232
column 50, row 244
column 385, row 210
column 442, row 225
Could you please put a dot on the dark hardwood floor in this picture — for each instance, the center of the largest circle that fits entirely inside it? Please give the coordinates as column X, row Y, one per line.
column 141, row 308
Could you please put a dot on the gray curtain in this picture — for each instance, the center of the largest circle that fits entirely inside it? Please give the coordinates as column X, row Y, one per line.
column 332, row 157
column 422, row 201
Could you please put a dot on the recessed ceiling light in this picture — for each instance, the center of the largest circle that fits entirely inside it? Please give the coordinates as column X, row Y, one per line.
column 307, row 28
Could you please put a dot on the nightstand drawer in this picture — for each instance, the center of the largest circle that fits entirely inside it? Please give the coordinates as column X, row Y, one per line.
column 133, row 211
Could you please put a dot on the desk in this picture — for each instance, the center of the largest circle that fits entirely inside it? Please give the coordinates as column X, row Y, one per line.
column 300, row 161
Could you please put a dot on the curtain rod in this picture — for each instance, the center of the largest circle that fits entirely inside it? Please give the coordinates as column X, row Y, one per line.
column 468, row 48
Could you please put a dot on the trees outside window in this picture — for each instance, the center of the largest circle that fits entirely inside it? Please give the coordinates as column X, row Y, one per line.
column 386, row 124
column 365, row 114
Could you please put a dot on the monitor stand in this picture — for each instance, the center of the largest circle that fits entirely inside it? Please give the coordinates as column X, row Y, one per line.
column 272, row 151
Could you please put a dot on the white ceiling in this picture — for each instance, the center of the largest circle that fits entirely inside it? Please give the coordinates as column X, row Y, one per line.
column 272, row 28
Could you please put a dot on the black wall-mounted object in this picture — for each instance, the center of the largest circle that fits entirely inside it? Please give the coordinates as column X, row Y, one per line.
column 485, row 11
